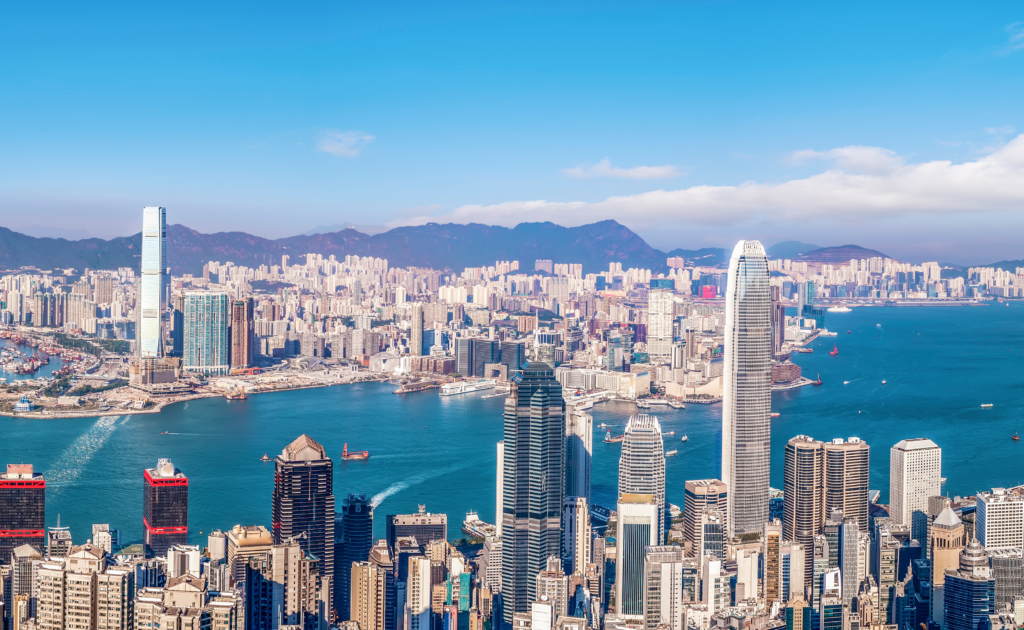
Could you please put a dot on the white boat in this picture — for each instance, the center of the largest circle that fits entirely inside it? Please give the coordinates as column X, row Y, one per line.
column 670, row 433
column 671, row 453
column 883, row 381
column 684, row 438
column 586, row 404
column 675, row 404
column 839, row 309
column 643, row 404
column 846, row 382
column 467, row 387
column 878, row 325
column 603, row 425
column 986, row 405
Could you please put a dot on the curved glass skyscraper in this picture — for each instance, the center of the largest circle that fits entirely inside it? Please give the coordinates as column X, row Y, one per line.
column 642, row 463
column 746, row 405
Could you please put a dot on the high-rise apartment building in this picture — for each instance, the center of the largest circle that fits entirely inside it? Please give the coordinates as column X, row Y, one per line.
column 303, row 503
column 771, row 550
column 577, row 534
column 660, row 314
column 283, row 588
column 847, row 466
column 642, row 464
column 915, row 474
column 353, row 534
column 746, row 386
column 416, row 330
column 243, row 339
column 701, row 494
column 207, row 346
column 579, row 448
column 1000, row 519
column 22, row 509
column 155, row 282
column 803, row 513
column 83, row 591
column 638, row 525
column 534, row 472
column 244, row 542
column 164, row 507
column 418, row 594
column 372, row 584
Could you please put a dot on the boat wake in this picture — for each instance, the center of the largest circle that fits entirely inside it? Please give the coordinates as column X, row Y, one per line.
column 75, row 457
column 398, row 486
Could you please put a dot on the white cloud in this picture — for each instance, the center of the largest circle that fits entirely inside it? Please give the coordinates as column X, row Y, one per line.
column 604, row 168
column 868, row 183
column 1016, row 39
column 343, row 143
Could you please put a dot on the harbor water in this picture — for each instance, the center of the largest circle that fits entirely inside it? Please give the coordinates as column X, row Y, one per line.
column 940, row 365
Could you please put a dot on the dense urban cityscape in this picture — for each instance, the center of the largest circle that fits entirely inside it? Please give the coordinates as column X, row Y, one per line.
column 821, row 553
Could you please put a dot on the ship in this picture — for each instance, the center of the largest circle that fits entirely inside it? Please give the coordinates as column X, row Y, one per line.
column 346, row 455
column 238, row 394
column 817, row 382
column 671, row 453
column 827, row 333
column 163, row 433
column 603, row 425
column 467, row 387
column 608, row 439
column 657, row 401
column 683, row 439
column 986, row 405
column 839, row 309
column 848, row 332
column 883, row 381
column 835, row 350
column 586, row 404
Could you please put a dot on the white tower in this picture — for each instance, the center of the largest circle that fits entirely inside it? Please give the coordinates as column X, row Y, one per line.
column 915, row 473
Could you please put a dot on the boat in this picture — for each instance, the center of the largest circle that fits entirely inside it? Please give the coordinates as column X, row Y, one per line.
column 878, row 325
column 643, row 404
column 846, row 382
column 163, row 433
column 824, row 332
column 776, row 414
column 603, row 425
column 683, row 439
column 657, row 401
column 986, row 405
column 835, row 350
column 1014, row 437
column 586, row 404
column 608, row 439
column 942, row 480
column 347, row 456
column 803, row 350
column 675, row 404
column 670, row 433
column 848, row 332
column 883, row 381
column 264, row 458
column 839, row 309
column 671, row 453
column 467, row 387
column 238, row 394
column 817, row 382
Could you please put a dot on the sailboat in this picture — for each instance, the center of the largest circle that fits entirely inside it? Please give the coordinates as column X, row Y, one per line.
column 835, row 350
column 817, row 382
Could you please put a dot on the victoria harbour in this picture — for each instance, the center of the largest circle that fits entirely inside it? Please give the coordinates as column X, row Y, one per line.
column 940, row 365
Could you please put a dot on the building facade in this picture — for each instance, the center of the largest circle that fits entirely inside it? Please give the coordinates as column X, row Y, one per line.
column 22, row 509
column 915, row 474
column 207, row 347
column 642, row 464
column 164, row 507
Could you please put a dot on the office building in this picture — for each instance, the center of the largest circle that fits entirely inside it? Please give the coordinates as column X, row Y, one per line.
column 244, row 542
column 534, row 450
column 485, row 351
column 1000, row 519
column 416, row 348
column 284, row 588
column 660, row 313
column 847, row 465
column 746, row 387
column 663, row 588
column 423, row 526
column 243, row 339
column 155, row 283
column 803, row 497
column 577, row 535
column 792, row 557
column 642, row 464
column 747, row 565
column 207, row 340
column 579, row 447
column 638, row 529
column 552, row 587
column 711, row 534
column 798, row 614
column 915, row 474
column 969, row 596
column 499, row 489
column 417, row 609
column 164, row 508
column 22, row 509
column 513, row 356
column 464, row 356
column 177, row 322
column 303, row 503
column 1008, row 572
column 353, row 535
column 849, row 559
column 771, row 550
column 936, row 505
column 700, row 494
column 716, row 586
column 830, row 611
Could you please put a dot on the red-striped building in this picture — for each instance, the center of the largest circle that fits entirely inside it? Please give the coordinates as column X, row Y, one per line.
column 164, row 508
column 22, row 509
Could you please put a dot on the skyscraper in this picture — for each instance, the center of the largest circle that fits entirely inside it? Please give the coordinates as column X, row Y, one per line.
column 579, row 447
column 242, row 337
column 22, row 509
column 423, row 526
column 663, row 595
column 534, row 469
column 155, row 282
column 577, row 535
column 207, row 340
column 660, row 313
column 416, row 330
column 353, row 533
column 164, row 507
column 746, row 386
column 847, row 464
column 303, row 501
column 803, row 513
column 915, row 474
column 969, row 596
column 700, row 494
column 638, row 516
column 642, row 464
column 1000, row 519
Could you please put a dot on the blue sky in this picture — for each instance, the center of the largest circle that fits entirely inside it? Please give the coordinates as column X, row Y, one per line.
column 891, row 125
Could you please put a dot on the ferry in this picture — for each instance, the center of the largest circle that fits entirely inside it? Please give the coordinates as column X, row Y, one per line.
column 347, row 456
column 608, row 439
column 671, row 453
column 986, row 405
column 839, row 309
column 643, row 404
column 683, row 439
column 467, row 387
column 586, row 404
column 675, row 404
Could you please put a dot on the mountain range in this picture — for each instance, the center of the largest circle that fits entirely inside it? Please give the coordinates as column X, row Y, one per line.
column 449, row 246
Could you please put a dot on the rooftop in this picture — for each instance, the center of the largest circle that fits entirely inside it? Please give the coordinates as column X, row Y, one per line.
column 303, row 449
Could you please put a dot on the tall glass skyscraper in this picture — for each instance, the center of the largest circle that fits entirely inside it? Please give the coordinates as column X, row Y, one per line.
column 642, row 464
column 207, row 336
column 660, row 313
column 746, row 405
column 155, row 282
column 534, row 467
